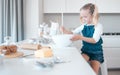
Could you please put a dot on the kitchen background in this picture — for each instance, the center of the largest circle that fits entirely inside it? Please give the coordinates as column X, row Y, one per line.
column 39, row 11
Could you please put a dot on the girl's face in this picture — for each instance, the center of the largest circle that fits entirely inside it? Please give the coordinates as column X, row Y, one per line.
column 85, row 16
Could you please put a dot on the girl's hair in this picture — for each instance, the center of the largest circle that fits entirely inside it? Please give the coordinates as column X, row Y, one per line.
column 93, row 11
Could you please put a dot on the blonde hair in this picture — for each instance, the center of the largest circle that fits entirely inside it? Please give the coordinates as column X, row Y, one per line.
column 93, row 11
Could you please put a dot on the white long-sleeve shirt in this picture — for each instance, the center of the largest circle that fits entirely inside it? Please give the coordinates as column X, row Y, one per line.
column 97, row 33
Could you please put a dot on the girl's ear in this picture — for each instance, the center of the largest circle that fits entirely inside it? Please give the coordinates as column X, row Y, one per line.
column 95, row 15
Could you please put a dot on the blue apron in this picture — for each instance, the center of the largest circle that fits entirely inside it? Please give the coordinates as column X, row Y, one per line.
column 94, row 48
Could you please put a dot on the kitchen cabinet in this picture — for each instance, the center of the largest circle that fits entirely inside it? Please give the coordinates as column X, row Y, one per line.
column 64, row 6
column 73, row 6
column 104, row 6
column 111, row 48
column 108, row 6
column 54, row 6
column 112, row 56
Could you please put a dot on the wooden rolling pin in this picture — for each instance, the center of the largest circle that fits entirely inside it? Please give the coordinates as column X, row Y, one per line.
column 30, row 46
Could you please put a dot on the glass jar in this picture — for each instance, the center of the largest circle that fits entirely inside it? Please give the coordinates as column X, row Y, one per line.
column 7, row 40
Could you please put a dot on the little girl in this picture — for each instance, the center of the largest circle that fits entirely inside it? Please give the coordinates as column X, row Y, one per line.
column 90, row 33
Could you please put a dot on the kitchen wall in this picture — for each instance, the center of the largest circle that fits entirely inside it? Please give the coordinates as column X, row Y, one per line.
column 110, row 21
column 33, row 17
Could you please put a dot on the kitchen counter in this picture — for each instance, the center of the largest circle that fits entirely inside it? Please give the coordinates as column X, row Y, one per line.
column 27, row 65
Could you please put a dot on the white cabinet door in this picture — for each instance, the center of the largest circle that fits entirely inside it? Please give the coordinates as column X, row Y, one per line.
column 54, row 6
column 111, row 48
column 108, row 6
column 111, row 41
column 73, row 6
column 112, row 56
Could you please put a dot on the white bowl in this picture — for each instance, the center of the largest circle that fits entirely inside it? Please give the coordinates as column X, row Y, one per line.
column 62, row 40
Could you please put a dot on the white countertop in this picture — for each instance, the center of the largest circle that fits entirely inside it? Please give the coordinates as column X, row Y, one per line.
column 27, row 65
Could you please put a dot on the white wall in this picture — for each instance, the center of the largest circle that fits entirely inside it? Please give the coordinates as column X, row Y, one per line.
column 33, row 16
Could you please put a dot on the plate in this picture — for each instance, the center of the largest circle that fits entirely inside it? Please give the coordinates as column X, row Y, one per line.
column 14, row 55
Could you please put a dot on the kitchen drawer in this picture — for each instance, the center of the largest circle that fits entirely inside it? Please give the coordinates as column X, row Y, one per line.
column 54, row 6
column 111, row 41
column 112, row 57
column 113, row 63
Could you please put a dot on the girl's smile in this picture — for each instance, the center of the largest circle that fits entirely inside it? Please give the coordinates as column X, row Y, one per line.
column 85, row 16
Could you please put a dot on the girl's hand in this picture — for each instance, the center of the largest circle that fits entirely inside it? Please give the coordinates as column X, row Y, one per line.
column 76, row 37
column 62, row 29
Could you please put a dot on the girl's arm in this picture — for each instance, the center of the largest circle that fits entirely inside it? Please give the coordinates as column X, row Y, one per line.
column 63, row 30
column 96, row 36
column 90, row 40
column 80, row 37
column 76, row 31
